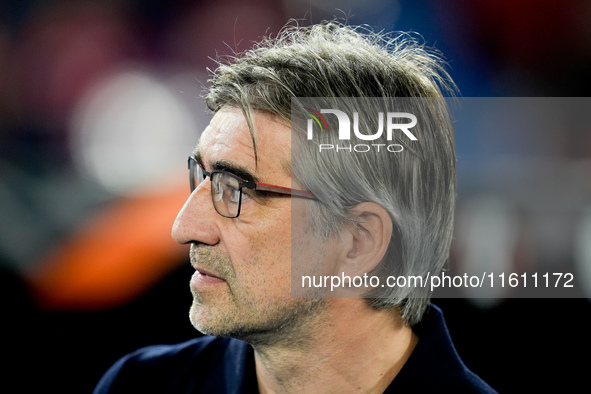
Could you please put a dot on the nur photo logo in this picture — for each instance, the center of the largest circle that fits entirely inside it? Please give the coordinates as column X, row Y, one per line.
column 388, row 122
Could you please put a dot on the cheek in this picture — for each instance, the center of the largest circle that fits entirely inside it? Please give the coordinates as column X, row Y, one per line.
column 274, row 258
column 271, row 249
column 258, row 250
column 259, row 246
column 267, row 229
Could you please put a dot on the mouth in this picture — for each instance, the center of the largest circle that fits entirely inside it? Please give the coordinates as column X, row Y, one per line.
column 208, row 274
column 201, row 261
column 203, row 279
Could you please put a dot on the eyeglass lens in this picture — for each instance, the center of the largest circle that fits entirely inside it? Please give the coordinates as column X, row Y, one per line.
column 226, row 192
column 227, row 197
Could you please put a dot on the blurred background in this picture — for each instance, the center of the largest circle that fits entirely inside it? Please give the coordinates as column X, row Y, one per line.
column 100, row 103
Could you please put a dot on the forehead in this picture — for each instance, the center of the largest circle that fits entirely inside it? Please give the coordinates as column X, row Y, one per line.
column 228, row 139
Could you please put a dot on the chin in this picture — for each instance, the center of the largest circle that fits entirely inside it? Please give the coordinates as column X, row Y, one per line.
column 284, row 327
column 204, row 322
column 214, row 323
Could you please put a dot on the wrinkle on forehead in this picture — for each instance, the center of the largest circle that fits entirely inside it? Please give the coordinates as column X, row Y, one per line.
column 223, row 134
column 228, row 138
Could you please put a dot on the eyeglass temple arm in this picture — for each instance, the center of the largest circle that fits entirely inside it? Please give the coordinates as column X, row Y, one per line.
column 285, row 190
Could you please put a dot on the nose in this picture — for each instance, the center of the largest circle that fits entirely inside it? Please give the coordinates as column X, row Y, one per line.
column 196, row 221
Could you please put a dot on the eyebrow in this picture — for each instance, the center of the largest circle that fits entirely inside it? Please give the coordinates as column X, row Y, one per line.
column 224, row 165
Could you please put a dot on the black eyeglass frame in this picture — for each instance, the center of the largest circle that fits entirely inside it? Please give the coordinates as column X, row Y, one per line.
column 242, row 183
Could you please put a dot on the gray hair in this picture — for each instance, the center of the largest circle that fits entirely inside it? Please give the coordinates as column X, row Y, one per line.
column 417, row 188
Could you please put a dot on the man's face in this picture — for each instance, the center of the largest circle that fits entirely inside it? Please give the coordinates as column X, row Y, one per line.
column 242, row 284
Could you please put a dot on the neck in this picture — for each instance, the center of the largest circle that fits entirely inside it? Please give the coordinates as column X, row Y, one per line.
column 349, row 347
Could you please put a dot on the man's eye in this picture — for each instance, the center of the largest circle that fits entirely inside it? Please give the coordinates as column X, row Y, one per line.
column 247, row 194
column 233, row 195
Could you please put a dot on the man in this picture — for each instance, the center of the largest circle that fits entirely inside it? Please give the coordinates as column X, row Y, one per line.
column 274, row 205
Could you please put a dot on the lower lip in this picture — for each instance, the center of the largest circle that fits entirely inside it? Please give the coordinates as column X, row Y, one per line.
column 199, row 279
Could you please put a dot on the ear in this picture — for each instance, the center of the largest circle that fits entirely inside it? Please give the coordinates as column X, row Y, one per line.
column 365, row 242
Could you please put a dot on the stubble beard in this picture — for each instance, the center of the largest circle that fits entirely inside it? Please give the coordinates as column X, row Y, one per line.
column 259, row 321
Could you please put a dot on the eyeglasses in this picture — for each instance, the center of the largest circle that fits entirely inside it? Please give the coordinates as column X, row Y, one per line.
column 226, row 188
